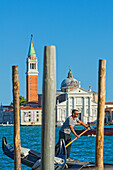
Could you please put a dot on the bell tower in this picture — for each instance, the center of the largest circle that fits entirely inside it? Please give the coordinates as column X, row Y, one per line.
column 31, row 75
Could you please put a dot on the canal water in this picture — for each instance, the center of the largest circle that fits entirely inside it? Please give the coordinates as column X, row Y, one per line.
column 83, row 148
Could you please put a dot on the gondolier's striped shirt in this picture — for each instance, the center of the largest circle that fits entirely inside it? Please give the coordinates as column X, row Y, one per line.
column 69, row 121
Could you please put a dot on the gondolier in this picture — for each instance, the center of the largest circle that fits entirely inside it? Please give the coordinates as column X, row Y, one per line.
column 67, row 128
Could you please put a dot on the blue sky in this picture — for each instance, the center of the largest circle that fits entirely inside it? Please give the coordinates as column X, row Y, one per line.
column 81, row 30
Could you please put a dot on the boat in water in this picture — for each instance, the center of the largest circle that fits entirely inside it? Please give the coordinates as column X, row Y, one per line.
column 108, row 131
column 32, row 158
column 79, row 165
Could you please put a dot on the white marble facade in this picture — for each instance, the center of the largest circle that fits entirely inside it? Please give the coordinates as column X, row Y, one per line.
column 80, row 99
column 75, row 98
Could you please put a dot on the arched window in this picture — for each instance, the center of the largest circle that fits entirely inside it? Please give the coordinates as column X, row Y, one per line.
column 32, row 65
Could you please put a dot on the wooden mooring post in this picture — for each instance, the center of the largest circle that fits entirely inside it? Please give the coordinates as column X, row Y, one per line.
column 17, row 152
column 48, row 109
column 100, row 116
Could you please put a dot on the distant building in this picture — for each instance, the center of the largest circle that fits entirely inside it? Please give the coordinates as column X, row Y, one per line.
column 7, row 117
column 31, row 104
column 4, row 117
column 108, row 104
column 28, row 116
column 109, row 112
column 31, row 75
column 72, row 96
column 108, row 115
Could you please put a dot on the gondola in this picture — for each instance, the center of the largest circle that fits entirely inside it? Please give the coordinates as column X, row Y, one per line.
column 108, row 131
column 83, row 165
column 32, row 158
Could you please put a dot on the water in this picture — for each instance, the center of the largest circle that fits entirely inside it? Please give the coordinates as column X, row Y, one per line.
column 82, row 149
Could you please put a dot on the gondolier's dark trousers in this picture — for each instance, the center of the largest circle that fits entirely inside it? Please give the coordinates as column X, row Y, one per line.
column 67, row 139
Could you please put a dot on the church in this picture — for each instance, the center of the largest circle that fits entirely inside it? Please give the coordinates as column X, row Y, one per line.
column 73, row 96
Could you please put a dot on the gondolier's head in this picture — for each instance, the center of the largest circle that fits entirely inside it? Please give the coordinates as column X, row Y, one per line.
column 75, row 112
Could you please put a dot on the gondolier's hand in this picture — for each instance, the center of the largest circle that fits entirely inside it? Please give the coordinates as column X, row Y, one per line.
column 77, row 136
column 88, row 128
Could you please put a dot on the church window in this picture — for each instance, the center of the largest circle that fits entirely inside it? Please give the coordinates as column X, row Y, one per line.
column 37, row 120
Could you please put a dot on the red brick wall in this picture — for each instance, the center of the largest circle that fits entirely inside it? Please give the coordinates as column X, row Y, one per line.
column 32, row 88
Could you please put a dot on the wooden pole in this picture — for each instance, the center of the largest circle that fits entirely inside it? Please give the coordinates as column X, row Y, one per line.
column 48, row 109
column 17, row 152
column 100, row 116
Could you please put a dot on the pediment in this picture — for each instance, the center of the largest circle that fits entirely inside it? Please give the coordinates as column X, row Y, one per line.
column 78, row 91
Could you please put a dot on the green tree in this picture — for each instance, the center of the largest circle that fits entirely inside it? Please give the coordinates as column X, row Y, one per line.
column 22, row 100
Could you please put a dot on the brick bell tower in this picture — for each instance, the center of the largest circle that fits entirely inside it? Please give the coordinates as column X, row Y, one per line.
column 31, row 75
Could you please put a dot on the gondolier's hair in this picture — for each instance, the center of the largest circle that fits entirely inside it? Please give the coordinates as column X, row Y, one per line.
column 74, row 110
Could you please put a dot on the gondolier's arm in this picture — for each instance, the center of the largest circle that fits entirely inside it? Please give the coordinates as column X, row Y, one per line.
column 72, row 130
column 83, row 124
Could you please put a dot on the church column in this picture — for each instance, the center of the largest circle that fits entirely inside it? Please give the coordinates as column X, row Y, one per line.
column 74, row 103
column 90, row 107
column 61, row 114
column 64, row 115
column 84, row 106
column 68, row 106
column 84, row 110
column 58, row 112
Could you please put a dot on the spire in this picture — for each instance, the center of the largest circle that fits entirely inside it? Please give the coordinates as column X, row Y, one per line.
column 31, row 48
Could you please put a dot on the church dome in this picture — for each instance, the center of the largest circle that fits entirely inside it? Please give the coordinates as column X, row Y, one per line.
column 69, row 82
